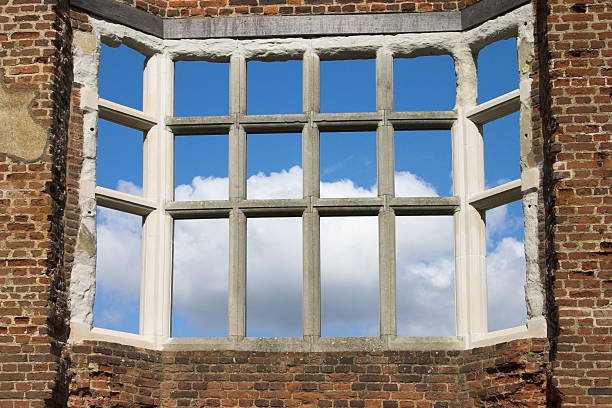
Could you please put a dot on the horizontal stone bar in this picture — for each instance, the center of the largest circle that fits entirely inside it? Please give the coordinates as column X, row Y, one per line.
column 495, row 108
column 298, row 26
column 273, row 123
column 312, row 25
column 125, row 116
column 199, row 125
column 500, row 195
column 199, row 209
column 117, row 200
column 425, row 120
column 424, row 205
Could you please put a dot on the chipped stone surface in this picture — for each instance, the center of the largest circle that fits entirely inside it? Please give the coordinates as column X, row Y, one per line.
column 25, row 139
column 86, row 54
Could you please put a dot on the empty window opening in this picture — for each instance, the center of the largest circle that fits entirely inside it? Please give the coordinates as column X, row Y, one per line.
column 274, row 277
column 274, row 165
column 120, row 158
column 200, row 278
column 506, row 267
column 502, row 150
column 349, row 277
column 497, row 70
column 425, row 276
column 348, row 164
column 120, row 78
column 424, row 83
column 274, row 87
column 423, row 163
column 201, row 168
column 348, row 86
column 201, row 88
column 118, row 271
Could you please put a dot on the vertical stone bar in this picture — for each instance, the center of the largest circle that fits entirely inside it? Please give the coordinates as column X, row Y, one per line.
column 311, row 283
column 386, row 189
column 386, row 273
column 158, row 186
column 468, row 179
column 385, row 147
column 311, row 251
column 311, row 82
column 237, row 192
column 384, row 80
column 237, row 85
column 237, row 275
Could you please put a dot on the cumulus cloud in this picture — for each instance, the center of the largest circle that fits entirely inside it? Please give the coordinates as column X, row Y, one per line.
column 349, row 265
column 119, row 249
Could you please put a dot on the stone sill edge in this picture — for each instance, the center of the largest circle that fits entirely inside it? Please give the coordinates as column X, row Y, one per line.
column 535, row 328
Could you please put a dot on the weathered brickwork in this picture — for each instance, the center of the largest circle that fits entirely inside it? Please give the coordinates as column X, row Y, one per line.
column 40, row 164
column 107, row 374
column 35, row 78
column 580, row 143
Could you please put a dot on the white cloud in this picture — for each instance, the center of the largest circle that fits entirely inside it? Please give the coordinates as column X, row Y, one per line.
column 349, row 263
column 506, row 282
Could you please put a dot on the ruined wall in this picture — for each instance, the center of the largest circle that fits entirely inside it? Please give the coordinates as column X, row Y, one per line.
column 510, row 374
column 35, row 78
column 39, row 173
column 578, row 139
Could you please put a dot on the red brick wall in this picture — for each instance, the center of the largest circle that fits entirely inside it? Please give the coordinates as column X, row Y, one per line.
column 35, row 61
column 572, row 98
column 111, row 375
column 578, row 86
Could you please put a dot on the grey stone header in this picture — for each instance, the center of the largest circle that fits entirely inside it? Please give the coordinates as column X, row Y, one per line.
column 297, row 26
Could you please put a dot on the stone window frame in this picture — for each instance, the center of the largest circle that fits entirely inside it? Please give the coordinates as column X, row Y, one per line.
column 158, row 209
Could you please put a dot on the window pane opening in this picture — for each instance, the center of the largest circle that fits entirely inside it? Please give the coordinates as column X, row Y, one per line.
column 425, row 276
column 502, row 151
column 348, row 86
column 200, row 278
column 274, row 87
column 201, row 88
column 423, row 163
column 201, row 167
column 120, row 78
column 424, row 83
column 497, row 70
column 274, row 165
column 274, row 277
column 120, row 158
column 506, row 270
column 118, row 271
column 349, row 277
column 348, row 164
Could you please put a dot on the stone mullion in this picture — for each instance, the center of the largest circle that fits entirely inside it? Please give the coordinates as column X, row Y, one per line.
column 311, row 239
column 468, row 179
column 158, row 186
column 237, row 193
column 386, row 190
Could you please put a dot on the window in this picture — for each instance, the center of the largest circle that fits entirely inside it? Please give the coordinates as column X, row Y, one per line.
column 423, row 235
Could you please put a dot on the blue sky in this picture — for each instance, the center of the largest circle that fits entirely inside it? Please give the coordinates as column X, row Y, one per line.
column 348, row 168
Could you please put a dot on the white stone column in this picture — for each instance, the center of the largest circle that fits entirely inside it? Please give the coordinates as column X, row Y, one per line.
column 468, row 179
column 237, row 192
column 158, row 186
column 311, row 224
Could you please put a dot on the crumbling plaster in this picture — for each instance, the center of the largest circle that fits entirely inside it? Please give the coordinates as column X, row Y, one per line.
column 25, row 140
column 461, row 46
